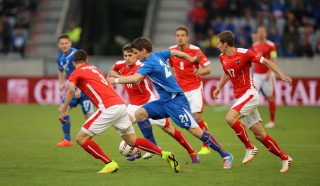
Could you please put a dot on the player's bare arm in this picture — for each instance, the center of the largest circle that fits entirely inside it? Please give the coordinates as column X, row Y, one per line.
column 223, row 80
column 61, row 78
column 113, row 73
column 203, row 71
column 69, row 96
column 277, row 70
column 185, row 56
column 133, row 79
column 273, row 55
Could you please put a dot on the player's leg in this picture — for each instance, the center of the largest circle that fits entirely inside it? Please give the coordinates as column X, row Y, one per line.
column 195, row 99
column 65, row 126
column 142, row 118
column 144, row 144
column 131, row 109
column 204, row 149
column 152, row 109
column 127, row 133
column 180, row 113
column 95, row 125
column 243, row 107
column 179, row 137
column 269, row 91
column 270, row 144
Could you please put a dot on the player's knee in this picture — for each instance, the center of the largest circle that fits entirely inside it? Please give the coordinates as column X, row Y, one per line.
column 81, row 138
column 198, row 116
column 259, row 136
column 141, row 114
column 130, row 142
column 168, row 129
column 229, row 120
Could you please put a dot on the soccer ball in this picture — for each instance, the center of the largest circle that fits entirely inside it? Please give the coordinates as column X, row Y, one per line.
column 126, row 150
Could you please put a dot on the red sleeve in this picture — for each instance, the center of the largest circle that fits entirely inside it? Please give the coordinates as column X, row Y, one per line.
column 74, row 77
column 203, row 59
column 253, row 57
column 116, row 67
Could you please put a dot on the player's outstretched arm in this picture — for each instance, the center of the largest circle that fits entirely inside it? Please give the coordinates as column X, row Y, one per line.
column 68, row 98
column 277, row 70
column 223, row 80
column 183, row 55
column 113, row 73
column 203, row 71
column 133, row 79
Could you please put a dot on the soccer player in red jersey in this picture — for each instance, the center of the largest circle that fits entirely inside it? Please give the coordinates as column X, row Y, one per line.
column 189, row 76
column 263, row 78
column 111, row 112
column 236, row 63
column 140, row 94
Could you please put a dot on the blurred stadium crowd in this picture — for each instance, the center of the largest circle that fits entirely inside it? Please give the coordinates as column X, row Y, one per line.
column 293, row 25
column 15, row 23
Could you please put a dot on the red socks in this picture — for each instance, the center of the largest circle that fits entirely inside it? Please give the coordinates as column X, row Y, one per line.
column 273, row 147
column 203, row 126
column 92, row 148
column 242, row 134
column 272, row 110
column 183, row 141
column 148, row 146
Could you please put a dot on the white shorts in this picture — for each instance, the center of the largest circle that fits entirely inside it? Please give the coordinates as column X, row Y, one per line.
column 247, row 105
column 262, row 84
column 195, row 99
column 132, row 109
column 115, row 116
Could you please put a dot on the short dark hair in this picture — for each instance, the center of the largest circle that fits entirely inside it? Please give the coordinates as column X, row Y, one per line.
column 227, row 37
column 64, row 36
column 142, row 43
column 127, row 47
column 80, row 56
column 183, row 28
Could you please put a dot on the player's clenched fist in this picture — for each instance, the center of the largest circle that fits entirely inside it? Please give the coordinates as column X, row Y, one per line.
column 111, row 80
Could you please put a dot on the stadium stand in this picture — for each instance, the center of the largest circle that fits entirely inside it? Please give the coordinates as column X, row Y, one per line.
column 293, row 25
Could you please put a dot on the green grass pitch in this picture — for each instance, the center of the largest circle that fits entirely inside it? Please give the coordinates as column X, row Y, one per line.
column 28, row 155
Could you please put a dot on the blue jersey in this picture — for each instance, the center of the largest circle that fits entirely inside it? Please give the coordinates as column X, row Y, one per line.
column 159, row 72
column 65, row 61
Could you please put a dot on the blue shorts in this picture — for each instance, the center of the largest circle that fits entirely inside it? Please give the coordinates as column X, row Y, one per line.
column 177, row 108
column 86, row 105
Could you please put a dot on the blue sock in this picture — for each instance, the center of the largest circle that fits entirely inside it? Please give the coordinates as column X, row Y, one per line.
column 146, row 129
column 212, row 142
column 66, row 128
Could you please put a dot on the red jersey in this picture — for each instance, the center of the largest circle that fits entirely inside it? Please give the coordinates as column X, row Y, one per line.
column 237, row 67
column 263, row 49
column 139, row 94
column 184, row 69
column 90, row 80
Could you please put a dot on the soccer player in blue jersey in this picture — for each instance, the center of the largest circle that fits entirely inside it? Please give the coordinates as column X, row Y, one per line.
column 65, row 66
column 172, row 102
